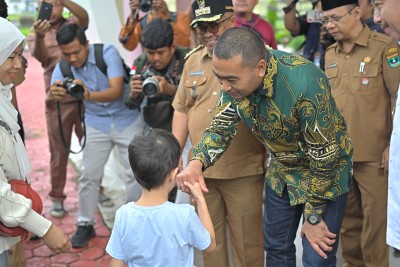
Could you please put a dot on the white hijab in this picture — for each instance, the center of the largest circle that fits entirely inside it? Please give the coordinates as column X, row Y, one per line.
column 11, row 37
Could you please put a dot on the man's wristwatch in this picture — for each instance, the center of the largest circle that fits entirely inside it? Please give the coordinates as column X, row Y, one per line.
column 314, row 218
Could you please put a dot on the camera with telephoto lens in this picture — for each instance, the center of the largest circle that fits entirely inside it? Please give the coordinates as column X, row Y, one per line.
column 145, row 5
column 150, row 86
column 76, row 90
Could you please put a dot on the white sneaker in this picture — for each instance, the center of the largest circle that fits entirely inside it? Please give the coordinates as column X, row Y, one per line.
column 57, row 210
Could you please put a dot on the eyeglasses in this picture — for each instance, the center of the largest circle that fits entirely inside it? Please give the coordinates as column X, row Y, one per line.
column 334, row 19
column 212, row 27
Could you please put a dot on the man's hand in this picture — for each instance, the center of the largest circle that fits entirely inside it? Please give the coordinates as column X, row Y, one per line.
column 134, row 5
column 192, row 173
column 58, row 2
column 166, row 88
column 385, row 160
column 41, row 27
column 86, row 94
column 57, row 91
column 319, row 237
column 136, row 86
column 159, row 9
column 56, row 240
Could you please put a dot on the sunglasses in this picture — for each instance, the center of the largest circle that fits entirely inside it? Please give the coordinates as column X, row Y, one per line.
column 212, row 27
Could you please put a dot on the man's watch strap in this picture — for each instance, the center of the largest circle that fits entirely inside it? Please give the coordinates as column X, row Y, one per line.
column 288, row 8
column 314, row 218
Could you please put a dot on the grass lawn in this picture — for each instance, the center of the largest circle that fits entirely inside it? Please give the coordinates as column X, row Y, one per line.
column 23, row 21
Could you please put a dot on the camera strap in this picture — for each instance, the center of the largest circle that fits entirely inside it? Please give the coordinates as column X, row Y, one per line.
column 60, row 126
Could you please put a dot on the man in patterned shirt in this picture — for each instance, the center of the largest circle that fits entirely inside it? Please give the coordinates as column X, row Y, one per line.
column 286, row 101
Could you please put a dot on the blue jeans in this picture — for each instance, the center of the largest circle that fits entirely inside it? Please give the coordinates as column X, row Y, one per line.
column 281, row 222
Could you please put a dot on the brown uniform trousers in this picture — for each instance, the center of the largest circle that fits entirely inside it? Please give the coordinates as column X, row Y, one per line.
column 363, row 82
column 69, row 115
column 235, row 182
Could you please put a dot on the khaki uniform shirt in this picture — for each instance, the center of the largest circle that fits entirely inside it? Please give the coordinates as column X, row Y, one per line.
column 362, row 82
column 197, row 97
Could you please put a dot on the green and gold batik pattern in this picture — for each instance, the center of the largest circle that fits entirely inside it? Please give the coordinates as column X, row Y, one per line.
column 294, row 115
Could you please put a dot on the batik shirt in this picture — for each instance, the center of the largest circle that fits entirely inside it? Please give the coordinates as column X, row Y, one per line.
column 294, row 115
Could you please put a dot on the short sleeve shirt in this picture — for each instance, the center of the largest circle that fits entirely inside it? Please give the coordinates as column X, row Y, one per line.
column 101, row 115
column 53, row 51
column 362, row 81
column 157, row 236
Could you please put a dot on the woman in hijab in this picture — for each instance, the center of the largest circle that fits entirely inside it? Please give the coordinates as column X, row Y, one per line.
column 15, row 209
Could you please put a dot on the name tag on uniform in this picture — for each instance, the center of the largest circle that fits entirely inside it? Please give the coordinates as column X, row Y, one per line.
column 196, row 73
column 331, row 66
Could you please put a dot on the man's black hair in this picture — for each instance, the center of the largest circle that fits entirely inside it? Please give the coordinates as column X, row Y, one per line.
column 243, row 42
column 69, row 32
column 153, row 154
column 157, row 34
column 3, row 9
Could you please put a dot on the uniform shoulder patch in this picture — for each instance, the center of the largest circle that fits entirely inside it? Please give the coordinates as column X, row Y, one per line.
column 193, row 50
column 392, row 57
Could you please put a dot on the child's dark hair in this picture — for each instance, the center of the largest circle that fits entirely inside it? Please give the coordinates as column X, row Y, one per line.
column 153, row 154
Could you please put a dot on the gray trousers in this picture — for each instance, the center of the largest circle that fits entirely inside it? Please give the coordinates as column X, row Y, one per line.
column 95, row 155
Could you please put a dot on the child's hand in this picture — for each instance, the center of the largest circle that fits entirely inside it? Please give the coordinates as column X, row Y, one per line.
column 195, row 191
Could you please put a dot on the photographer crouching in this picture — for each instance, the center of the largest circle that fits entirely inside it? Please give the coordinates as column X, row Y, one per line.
column 156, row 74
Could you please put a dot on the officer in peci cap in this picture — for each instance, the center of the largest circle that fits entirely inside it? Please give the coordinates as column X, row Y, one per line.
column 238, row 175
column 331, row 4
column 364, row 72
column 210, row 10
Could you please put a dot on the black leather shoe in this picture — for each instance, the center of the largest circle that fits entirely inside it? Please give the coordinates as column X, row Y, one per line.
column 82, row 236
column 396, row 253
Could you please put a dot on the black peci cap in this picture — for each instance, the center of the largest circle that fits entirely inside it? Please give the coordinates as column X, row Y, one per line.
column 210, row 10
column 331, row 4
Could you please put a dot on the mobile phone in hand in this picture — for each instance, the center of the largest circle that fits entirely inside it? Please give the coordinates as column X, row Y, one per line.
column 45, row 11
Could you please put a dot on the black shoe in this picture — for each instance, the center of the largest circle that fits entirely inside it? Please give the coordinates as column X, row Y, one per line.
column 82, row 236
column 396, row 253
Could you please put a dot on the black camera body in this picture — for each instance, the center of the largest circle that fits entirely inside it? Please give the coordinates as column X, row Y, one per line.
column 150, row 86
column 145, row 5
column 75, row 90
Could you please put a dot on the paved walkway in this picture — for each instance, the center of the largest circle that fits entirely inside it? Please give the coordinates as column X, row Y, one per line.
column 31, row 103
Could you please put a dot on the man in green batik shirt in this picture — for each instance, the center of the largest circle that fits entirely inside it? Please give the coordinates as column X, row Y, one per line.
column 286, row 101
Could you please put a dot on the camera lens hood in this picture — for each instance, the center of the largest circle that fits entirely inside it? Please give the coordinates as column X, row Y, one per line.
column 150, row 87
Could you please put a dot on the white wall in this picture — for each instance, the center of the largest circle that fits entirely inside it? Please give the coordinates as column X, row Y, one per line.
column 105, row 23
